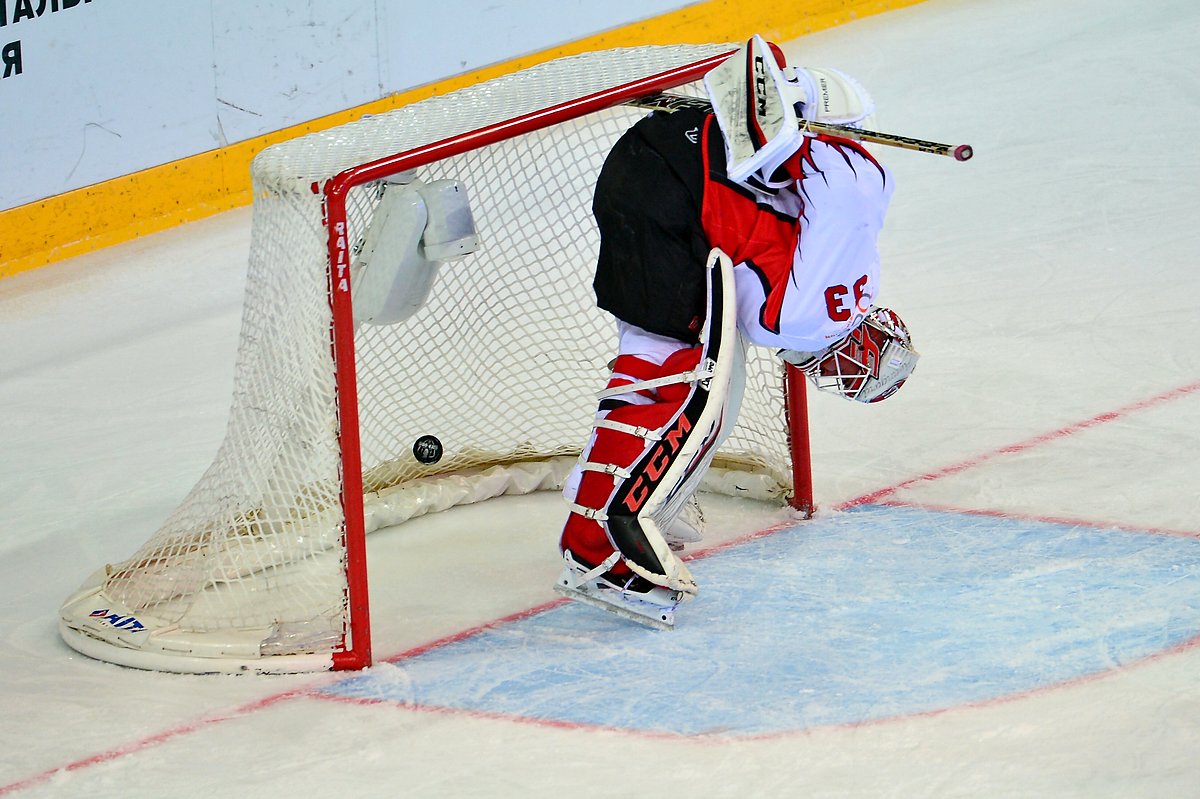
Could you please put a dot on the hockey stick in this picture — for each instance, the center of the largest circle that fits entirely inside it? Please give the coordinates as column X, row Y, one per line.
column 675, row 102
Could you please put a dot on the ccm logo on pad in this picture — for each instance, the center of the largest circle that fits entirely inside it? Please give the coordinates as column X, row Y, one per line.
column 657, row 464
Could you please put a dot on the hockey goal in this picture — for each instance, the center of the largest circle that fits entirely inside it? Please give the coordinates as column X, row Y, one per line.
column 262, row 567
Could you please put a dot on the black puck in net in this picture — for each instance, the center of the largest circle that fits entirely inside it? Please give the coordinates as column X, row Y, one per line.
column 427, row 449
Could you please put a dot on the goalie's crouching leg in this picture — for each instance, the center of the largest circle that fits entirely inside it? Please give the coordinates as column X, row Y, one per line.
column 603, row 540
column 628, row 426
column 667, row 408
column 646, row 457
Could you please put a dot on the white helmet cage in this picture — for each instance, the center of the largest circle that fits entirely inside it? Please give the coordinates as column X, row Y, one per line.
column 870, row 364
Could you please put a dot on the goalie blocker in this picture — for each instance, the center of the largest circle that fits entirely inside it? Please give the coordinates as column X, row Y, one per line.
column 654, row 437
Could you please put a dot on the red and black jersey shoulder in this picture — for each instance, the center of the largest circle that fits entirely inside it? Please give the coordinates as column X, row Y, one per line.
column 750, row 231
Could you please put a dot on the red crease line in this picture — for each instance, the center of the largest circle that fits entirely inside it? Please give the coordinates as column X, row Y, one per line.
column 1062, row 432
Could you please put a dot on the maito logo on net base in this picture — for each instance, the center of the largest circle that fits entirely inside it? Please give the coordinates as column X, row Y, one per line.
column 117, row 621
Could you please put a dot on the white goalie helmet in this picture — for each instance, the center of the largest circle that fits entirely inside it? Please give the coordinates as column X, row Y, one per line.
column 869, row 365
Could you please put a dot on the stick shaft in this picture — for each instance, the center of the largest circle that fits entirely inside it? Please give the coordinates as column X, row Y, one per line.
column 959, row 152
column 675, row 102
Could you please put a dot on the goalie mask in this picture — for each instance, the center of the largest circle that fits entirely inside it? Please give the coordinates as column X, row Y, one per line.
column 870, row 364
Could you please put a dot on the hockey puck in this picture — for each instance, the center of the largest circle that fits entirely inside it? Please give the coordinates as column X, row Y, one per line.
column 427, row 449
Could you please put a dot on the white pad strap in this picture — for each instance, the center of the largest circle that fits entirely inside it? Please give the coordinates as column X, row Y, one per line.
column 596, row 571
column 633, row 430
column 693, row 376
column 595, row 514
column 606, row 468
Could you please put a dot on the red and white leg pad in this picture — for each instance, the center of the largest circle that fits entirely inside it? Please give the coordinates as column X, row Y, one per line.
column 657, row 429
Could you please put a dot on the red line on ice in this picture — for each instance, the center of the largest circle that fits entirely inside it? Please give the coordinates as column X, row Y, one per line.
column 150, row 741
column 1044, row 438
column 1037, row 517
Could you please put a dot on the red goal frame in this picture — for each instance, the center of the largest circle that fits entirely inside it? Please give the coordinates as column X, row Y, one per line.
column 356, row 651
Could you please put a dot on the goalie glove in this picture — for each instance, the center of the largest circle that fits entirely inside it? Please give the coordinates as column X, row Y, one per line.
column 825, row 94
column 756, row 113
column 759, row 104
column 868, row 365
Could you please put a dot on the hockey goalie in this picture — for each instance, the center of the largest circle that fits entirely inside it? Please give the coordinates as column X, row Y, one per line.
column 719, row 231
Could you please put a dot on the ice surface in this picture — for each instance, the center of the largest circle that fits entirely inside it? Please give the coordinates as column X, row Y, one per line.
column 1015, row 616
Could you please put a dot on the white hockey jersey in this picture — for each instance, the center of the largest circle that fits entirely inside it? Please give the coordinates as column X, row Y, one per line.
column 820, row 289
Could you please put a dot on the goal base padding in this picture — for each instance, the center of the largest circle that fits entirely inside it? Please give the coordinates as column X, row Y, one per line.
column 95, row 625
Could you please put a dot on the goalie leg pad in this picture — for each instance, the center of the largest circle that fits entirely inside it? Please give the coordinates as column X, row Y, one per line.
column 627, row 428
column 653, row 440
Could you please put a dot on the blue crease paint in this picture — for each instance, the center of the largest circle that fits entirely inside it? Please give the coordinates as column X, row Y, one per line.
column 859, row 616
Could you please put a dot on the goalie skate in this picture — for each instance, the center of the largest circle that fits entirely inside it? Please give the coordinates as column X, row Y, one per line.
column 629, row 597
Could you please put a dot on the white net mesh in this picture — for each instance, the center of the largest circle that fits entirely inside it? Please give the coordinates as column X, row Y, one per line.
column 502, row 364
